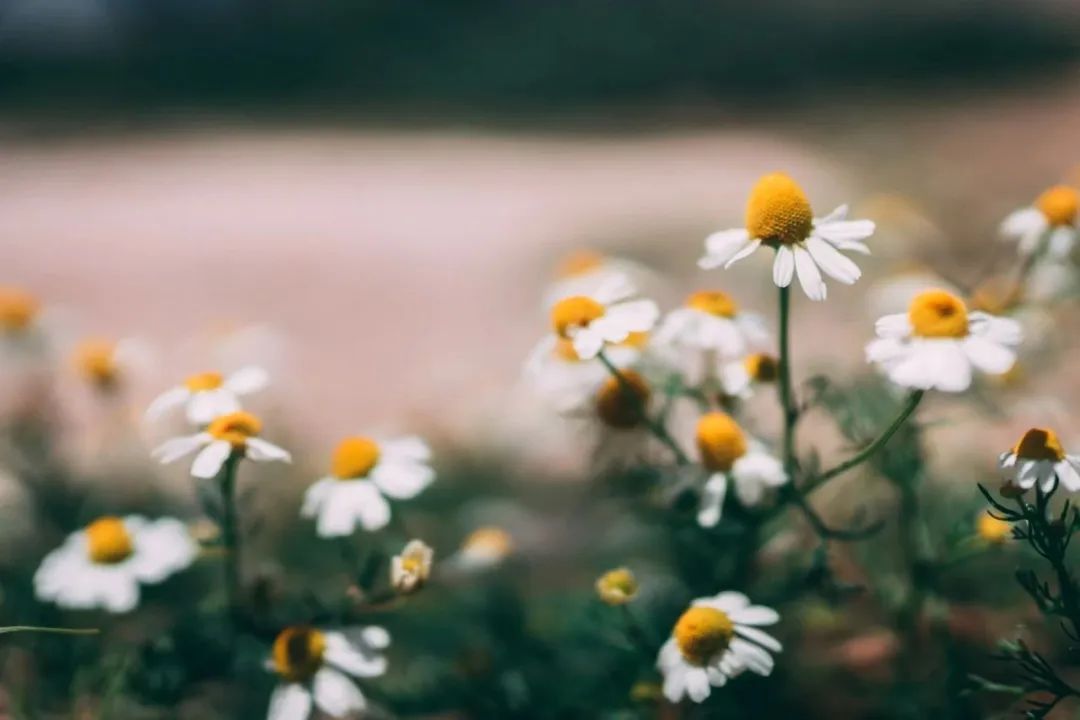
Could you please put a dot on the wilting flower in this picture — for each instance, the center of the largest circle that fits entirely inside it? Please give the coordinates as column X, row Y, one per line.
column 992, row 530
column 209, row 394
column 778, row 215
column 1049, row 223
column 937, row 342
column 485, row 547
column 617, row 587
column 102, row 565
column 1039, row 459
column 738, row 377
column 236, row 433
column 18, row 310
column 315, row 668
column 730, row 456
column 716, row 639
column 410, row 570
column 104, row 362
column 557, row 373
column 608, row 315
column 363, row 473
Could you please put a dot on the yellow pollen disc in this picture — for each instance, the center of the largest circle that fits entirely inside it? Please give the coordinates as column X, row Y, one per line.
column 938, row 314
column 574, row 312
column 1059, row 205
column 778, row 212
column 720, row 440
column 95, row 359
column 298, row 653
column 617, row 587
column 579, row 262
column 702, row 632
column 1039, row 444
column 564, row 350
column 235, row 428
column 204, row 381
column 17, row 309
column 354, row 457
column 108, row 541
column 713, row 302
column 992, row 530
column 622, row 404
column 762, row 367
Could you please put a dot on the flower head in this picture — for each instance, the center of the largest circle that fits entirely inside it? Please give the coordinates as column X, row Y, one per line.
column 235, row 433
column 1038, row 458
column 730, row 455
column 714, row 329
column 485, row 547
column 18, row 310
column 1049, row 224
column 207, row 395
column 617, row 587
column 558, row 375
column 992, row 530
column 410, row 570
column 606, row 316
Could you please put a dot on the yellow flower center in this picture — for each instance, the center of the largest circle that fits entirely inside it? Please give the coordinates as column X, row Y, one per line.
column 762, row 367
column 574, row 312
column 108, row 541
column 702, row 632
column 1059, row 205
column 580, row 262
column 778, row 212
column 938, row 314
column 617, row 587
column 204, row 381
column 354, row 457
column 235, row 428
column 621, row 404
column 95, row 359
column 1039, row 444
column 564, row 350
column 720, row 440
column 298, row 653
column 17, row 309
column 636, row 340
column 993, row 530
column 713, row 302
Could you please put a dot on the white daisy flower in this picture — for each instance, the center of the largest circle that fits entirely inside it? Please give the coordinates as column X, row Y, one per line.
column 584, row 272
column 778, row 215
column 485, row 547
column 937, row 342
column 102, row 565
column 711, row 326
column 210, row 394
column 715, row 640
column 316, row 668
column 104, row 363
column 411, row 569
column 363, row 473
column 738, row 377
column 608, row 315
column 731, row 457
column 235, row 433
column 1038, row 459
column 556, row 372
column 1049, row 224
column 18, row 311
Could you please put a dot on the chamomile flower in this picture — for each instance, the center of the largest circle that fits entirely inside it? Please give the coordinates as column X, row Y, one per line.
column 103, row 363
column 607, row 316
column 102, row 565
column 1049, row 224
column 584, row 271
column 991, row 530
column 235, row 433
column 207, row 395
column 732, row 457
column 1039, row 459
column 778, row 215
column 18, row 310
column 556, row 372
column 363, row 473
column 411, row 569
column 316, row 669
column 938, row 341
column 485, row 547
column 617, row 587
column 715, row 640
column 739, row 377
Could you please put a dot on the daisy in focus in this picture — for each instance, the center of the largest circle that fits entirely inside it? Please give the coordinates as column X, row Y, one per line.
column 1039, row 459
column 778, row 215
column 1049, row 224
column 102, row 565
column 207, row 395
column 715, row 640
column 731, row 457
column 363, row 474
column 316, row 668
column 607, row 316
column 234, row 434
column 937, row 342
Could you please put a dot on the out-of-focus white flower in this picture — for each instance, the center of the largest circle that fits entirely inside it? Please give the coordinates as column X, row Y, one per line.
column 1048, row 224
column 584, row 272
column 778, row 215
column 363, row 473
column 210, row 394
column 992, row 530
column 715, row 640
column 555, row 372
column 937, row 342
column 738, row 377
column 104, row 363
column 102, row 565
column 731, row 457
column 607, row 316
column 316, row 668
column 895, row 291
column 18, row 310
column 617, row 587
column 484, row 548
column 234, row 433
column 1039, row 459
column 411, row 569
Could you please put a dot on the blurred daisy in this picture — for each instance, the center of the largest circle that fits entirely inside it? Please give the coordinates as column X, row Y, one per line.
column 484, row 548
column 1049, row 224
column 102, row 565
column 1039, row 459
column 992, row 530
column 316, row 668
column 623, row 404
column 410, row 570
column 617, row 587
column 937, row 342
column 608, row 315
column 236, row 433
column 583, row 272
column 363, row 473
column 778, row 215
column 207, row 395
column 716, row 639
column 730, row 456
column 738, row 377
column 556, row 372
column 103, row 363
column 18, row 310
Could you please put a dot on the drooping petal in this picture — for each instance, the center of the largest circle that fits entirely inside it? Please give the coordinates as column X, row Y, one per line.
column 335, row 694
column 746, row 251
column 289, row 702
column 247, row 380
column 783, row 268
column 809, row 275
column 832, row 262
column 721, row 246
column 260, row 450
column 208, row 462
column 175, row 448
column 166, row 401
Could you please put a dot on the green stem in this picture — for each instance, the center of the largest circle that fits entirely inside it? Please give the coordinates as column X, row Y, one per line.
column 656, row 428
column 230, row 535
column 51, row 630
column 787, row 395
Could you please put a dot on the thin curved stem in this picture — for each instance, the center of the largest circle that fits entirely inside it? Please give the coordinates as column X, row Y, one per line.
column 49, row 630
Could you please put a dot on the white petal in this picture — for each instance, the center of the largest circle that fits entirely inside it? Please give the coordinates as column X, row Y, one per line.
column 175, row 448
column 721, row 246
column 402, row 480
column 210, row 459
column 1022, row 222
column 411, row 447
column 760, row 636
column 753, row 657
column 316, row 496
column 206, row 405
column 1068, row 474
column 987, row 355
column 625, row 318
column 809, row 275
column 728, row 601
column 121, row 595
column 675, row 682
column 166, row 401
column 335, row 694
column 835, row 216
column 1061, row 241
column 845, row 231
column 893, row 326
column 289, row 702
column 375, row 636
column 349, row 502
column 712, row 500
column 351, row 659
column 756, row 615
column 746, row 251
column 247, row 380
column 834, row 264
column 783, row 268
column 263, row 451
column 697, row 684
column 161, row 548
column 588, row 343
column 1004, row 331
